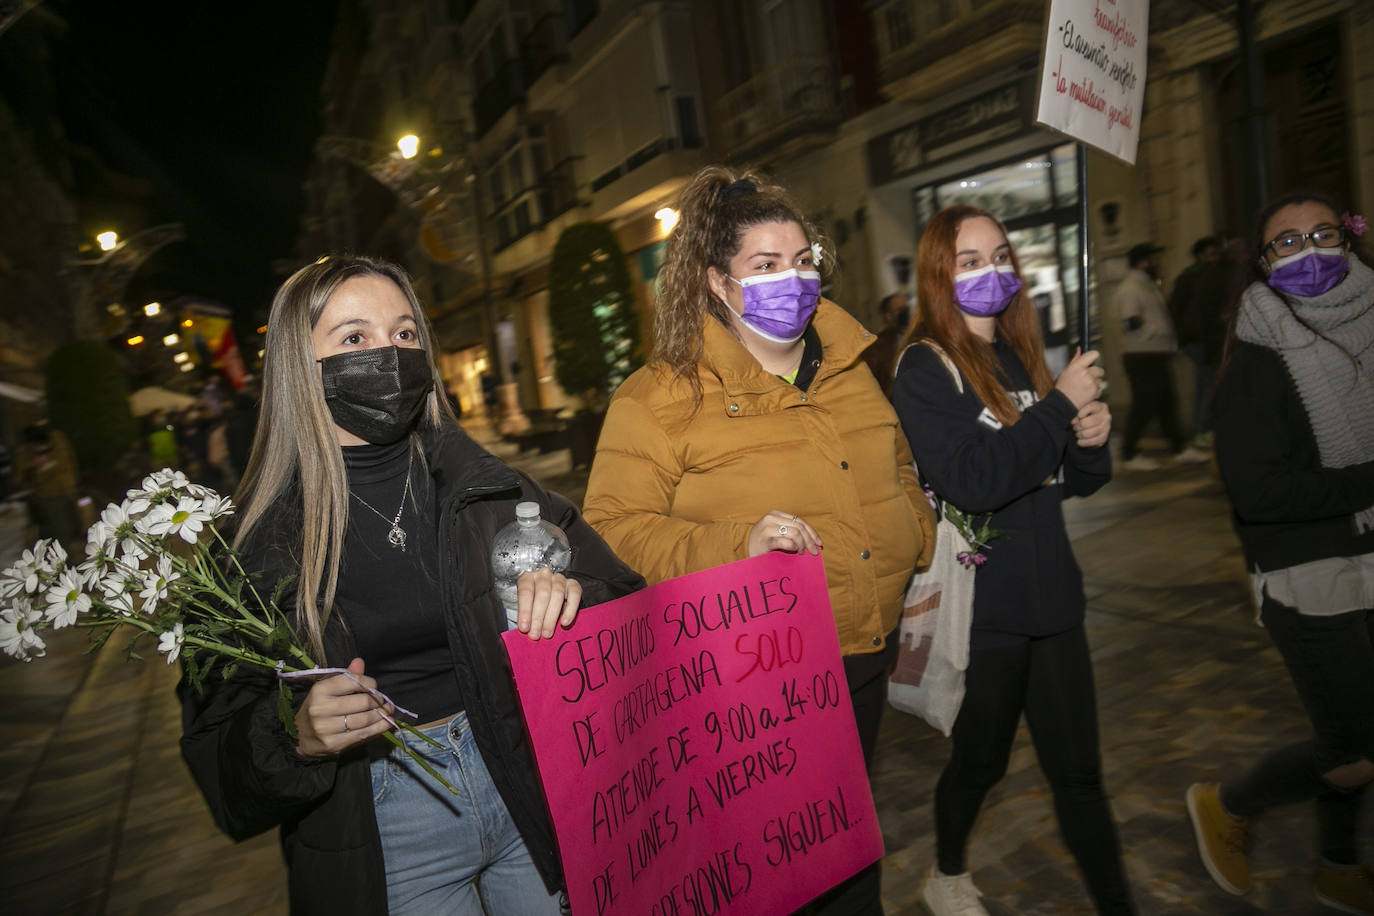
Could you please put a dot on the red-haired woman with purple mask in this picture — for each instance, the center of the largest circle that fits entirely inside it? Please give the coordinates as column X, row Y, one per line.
column 994, row 435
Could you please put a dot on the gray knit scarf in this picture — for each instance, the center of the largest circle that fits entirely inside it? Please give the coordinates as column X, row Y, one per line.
column 1332, row 368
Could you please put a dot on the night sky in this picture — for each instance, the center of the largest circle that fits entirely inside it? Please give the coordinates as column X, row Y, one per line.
column 198, row 113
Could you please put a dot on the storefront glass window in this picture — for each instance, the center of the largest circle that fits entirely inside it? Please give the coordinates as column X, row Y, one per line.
column 1036, row 197
column 1065, row 176
column 1013, row 190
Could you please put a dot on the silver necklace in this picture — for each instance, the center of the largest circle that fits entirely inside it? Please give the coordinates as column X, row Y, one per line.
column 396, row 537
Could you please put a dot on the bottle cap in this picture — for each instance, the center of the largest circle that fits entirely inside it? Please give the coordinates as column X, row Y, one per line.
column 527, row 510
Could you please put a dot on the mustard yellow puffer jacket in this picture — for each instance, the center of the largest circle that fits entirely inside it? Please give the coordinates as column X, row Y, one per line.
column 675, row 489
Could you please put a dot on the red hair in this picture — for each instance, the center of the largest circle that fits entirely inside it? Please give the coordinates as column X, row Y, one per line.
column 939, row 319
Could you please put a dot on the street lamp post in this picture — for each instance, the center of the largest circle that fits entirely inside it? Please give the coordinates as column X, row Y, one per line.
column 104, row 279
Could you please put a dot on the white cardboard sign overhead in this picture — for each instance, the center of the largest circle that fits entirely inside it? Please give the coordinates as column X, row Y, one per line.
column 1092, row 80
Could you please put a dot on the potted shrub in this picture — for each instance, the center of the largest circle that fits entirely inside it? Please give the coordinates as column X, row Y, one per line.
column 595, row 329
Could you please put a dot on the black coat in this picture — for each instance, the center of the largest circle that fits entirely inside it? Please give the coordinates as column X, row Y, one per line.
column 247, row 767
column 1288, row 509
column 1031, row 584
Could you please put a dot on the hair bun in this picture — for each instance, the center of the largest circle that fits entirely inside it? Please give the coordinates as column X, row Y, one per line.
column 738, row 188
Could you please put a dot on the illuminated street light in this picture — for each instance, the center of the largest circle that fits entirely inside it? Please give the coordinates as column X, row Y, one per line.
column 667, row 219
column 107, row 239
column 409, row 145
column 171, row 340
column 181, row 357
column 186, row 323
column 187, row 367
column 135, row 340
column 152, row 308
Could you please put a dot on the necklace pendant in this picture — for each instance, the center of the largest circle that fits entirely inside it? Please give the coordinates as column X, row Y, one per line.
column 397, row 537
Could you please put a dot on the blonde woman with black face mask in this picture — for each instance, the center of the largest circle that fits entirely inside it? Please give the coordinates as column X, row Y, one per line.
column 364, row 494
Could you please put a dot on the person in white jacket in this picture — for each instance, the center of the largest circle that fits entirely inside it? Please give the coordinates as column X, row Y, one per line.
column 1148, row 347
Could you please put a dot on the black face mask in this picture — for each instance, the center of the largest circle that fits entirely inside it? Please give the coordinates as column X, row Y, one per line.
column 376, row 394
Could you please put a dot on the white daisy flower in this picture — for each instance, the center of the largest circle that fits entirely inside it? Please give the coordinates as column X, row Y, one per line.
column 218, row 506
column 14, row 580
column 55, row 557
column 115, row 582
column 168, row 479
column 18, row 636
column 66, row 599
column 186, row 519
column 171, row 642
column 156, row 582
column 121, row 603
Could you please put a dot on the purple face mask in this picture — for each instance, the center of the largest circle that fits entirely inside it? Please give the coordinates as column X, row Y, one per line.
column 779, row 306
column 987, row 290
column 1310, row 272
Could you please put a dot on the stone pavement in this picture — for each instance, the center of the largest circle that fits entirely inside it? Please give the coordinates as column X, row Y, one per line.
column 98, row 815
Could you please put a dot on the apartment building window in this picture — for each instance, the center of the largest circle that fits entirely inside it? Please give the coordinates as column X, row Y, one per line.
column 933, row 14
column 791, row 29
column 737, row 34
column 688, row 131
column 578, row 13
column 897, row 22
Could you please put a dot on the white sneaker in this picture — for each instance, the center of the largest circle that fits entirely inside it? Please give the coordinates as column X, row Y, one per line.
column 1140, row 463
column 1192, row 455
column 956, row 896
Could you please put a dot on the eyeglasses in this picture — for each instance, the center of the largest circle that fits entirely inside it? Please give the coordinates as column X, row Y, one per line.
column 1284, row 245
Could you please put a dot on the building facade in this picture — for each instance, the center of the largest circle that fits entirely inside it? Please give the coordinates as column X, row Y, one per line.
column 538, row 114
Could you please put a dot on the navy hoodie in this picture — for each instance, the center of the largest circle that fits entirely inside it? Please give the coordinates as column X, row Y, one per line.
column 1031, row 584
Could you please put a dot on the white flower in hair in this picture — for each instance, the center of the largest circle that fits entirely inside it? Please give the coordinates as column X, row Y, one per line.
column 817, row 253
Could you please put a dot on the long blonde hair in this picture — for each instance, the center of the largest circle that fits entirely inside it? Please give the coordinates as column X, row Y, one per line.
column 715, row 209
column 295, row 445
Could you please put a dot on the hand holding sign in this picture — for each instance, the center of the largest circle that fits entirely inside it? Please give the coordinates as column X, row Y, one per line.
column 718, row 764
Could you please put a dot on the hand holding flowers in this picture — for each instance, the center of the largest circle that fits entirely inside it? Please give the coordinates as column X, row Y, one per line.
column 157, row 564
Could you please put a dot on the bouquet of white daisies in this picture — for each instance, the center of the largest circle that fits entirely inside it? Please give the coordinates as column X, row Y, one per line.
column 157, row 564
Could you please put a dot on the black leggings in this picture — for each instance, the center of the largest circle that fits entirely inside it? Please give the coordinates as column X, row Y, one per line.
column 1050, row 679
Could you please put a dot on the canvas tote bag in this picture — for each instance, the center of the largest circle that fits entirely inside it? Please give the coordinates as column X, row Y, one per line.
column 937, row 616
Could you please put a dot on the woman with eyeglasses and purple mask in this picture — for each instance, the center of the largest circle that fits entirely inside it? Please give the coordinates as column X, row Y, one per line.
column 1295, row 443
column 756, row 426
column 995, row 435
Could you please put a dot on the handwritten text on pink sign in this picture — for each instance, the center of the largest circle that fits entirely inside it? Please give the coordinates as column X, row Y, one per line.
column 698, row 746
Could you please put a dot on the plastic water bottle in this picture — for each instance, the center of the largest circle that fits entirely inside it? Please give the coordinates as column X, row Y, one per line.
column 526, row 544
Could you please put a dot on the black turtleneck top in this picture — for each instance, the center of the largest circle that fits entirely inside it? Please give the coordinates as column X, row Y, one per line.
column 390, row 598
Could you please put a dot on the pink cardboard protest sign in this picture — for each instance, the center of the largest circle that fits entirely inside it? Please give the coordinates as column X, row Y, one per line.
column 698, row 746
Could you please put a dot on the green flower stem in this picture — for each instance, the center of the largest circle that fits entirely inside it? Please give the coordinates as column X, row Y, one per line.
column 423, row 763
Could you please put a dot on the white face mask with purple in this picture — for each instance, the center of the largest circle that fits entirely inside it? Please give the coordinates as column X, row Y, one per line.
column 987, row 290
column 779, row 306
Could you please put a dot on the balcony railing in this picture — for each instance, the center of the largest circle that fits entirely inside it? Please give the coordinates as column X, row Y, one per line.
column 534, row 207
column 790, row 99
column 913, row 36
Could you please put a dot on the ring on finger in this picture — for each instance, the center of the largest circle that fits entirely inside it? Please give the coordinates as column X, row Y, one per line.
column 346, row 728
column 782, row 531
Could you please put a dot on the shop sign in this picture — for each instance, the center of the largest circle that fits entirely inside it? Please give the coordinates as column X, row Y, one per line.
column 986, row 118
column 1092, row 79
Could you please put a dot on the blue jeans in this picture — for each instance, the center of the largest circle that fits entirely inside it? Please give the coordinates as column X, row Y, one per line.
column 449, row 853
